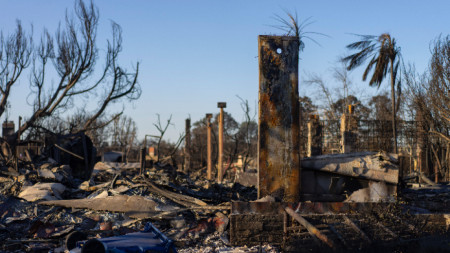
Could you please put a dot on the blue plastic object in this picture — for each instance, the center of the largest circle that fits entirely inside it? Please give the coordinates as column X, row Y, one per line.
column 149, row 240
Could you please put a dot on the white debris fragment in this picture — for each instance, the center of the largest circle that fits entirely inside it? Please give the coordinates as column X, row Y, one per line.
column 42, row 191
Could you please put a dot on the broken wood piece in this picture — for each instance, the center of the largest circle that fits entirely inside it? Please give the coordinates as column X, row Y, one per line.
column 133, row 206
column 183, row 200
column 227, row 207
column 311, row 229
column 355, row 227
column 114, row 181
column 85, row 186
column 28, row 156
column 68, row 152
column 426, row 179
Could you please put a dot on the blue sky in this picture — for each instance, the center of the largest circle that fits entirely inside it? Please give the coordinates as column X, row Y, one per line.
column 193, row 54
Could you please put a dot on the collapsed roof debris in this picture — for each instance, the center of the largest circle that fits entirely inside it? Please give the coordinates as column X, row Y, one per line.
column 58, row 201
column 42, row 203
column 40, row 208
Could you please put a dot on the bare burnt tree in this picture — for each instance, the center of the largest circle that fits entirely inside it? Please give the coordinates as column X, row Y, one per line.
column 439, row 85
column 381, row 109
column 124, row 134
column 15, row 56
column 98, row 131
column 166, row 148
column 73, row 55
column 429, row 97
column 322, row 91
column 199, row 145
column 248, row 135
column 162, row 130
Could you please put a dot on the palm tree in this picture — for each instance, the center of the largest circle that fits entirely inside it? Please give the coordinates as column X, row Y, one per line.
column 384, row 57
column 292, row 26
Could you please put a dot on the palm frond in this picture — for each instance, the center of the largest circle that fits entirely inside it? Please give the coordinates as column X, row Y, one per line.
column 369, row 68
column 355, row 60
column 359, row 45
column 293, row 27
column 380, row 71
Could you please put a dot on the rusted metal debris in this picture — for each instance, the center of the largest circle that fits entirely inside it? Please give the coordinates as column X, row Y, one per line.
column 278, row 126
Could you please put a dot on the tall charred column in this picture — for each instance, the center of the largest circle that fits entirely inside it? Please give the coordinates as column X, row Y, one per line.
column 279, row 124
column 220, row 105
column 349, row 131
column 187, row 146
column 314, row 136
column 209, row 148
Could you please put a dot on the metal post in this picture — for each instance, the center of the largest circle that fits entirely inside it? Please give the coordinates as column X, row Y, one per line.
column 208, row 125
column 279, row 123
column 187, row 147
column 220, row 105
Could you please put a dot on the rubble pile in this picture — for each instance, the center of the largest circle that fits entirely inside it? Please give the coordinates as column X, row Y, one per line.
column 41, row 205
column 44, row 206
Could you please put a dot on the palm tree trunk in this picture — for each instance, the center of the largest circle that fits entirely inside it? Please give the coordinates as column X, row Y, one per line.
column 394, row 119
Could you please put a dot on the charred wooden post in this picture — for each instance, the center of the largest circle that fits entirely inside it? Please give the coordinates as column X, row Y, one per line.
column 349, row 131
column 279, row 124
column 142, row 160
column 314, row 136
column 209, row 148
column 187, row 146
column 220, row 105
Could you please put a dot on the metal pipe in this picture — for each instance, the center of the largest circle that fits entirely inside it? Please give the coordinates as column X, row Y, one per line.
column 220, row 105
column 209, row 162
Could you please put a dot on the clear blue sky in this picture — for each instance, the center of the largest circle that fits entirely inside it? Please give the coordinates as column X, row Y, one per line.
column 196, row 53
